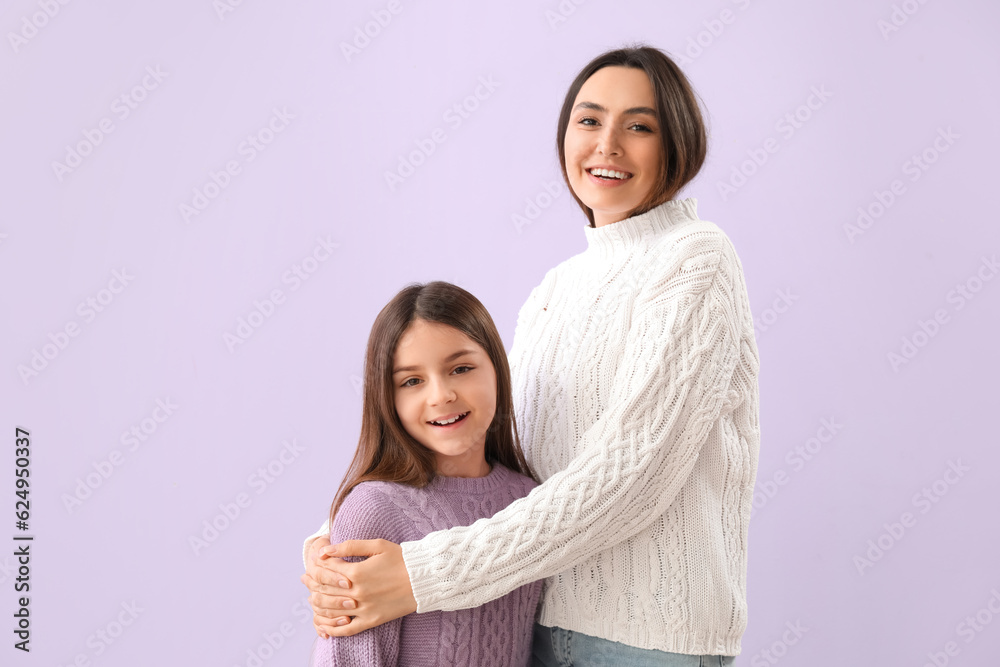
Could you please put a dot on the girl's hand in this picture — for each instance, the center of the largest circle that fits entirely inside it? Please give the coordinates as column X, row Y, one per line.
column 379, row 586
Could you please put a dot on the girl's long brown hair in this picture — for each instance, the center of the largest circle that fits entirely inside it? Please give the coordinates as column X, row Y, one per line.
column 386, row 452
column 682, row 131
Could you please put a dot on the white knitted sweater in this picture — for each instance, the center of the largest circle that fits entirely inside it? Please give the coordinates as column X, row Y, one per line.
column 635, row 388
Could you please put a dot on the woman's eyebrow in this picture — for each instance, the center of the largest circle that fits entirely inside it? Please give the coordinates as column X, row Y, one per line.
column 460, row 353
column 594, row 106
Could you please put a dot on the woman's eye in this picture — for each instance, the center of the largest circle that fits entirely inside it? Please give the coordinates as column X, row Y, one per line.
column 640, row 127
column 467, row 369
column 588, row 121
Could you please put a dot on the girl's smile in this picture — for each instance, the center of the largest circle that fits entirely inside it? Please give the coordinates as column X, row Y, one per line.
column 449, row 421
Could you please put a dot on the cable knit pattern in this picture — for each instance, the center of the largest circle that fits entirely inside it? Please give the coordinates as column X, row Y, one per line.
column 496, row 634
column 635, row 384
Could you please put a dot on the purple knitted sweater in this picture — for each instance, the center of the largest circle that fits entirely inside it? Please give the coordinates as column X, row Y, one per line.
column 496, row 634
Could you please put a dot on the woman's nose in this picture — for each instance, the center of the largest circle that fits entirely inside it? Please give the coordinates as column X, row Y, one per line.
column 608, row 142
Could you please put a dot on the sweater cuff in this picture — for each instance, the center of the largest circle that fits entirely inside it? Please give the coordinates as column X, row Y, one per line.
column 418, row 566
column 324, row 531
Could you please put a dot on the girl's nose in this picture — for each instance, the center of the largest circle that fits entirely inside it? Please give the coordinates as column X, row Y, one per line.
column 441, row 392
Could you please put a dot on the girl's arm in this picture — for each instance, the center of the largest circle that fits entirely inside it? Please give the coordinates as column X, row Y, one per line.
column 365, row 514
column 684, row 345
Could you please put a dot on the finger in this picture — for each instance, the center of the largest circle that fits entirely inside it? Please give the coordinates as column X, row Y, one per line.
column 324, row 623
column 354, row 548
column 331, row 570
column 331, row 605
column 327, row 576
column 351, row 627
column 323, row 626
column 336, row 586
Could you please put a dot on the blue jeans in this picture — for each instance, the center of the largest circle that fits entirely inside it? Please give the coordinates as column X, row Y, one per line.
column 555, row 647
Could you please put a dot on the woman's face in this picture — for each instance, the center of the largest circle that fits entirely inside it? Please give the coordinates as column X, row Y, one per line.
column 613, row 127
column 445, row 395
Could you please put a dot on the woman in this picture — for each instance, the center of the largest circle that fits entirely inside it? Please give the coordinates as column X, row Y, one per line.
column 635, row 380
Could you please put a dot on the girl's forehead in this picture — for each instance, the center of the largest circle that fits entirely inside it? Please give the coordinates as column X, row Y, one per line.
column 434, row 338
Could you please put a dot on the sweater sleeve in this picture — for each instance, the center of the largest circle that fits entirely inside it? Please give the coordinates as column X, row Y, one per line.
column 365, row 514
column 680, row 354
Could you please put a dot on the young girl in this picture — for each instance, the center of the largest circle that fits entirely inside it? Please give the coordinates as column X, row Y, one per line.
column 634, row 373
column 438, row 448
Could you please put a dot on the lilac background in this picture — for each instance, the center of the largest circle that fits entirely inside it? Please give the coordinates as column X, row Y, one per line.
column 831, row 304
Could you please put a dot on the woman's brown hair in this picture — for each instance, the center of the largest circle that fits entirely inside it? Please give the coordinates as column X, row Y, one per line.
column 386, row 452
column 682, row 130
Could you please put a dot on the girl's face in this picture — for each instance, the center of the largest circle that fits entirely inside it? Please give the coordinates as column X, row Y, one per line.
column 440, row 374
column 613, row 126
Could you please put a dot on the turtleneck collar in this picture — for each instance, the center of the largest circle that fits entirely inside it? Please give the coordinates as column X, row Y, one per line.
column 634, row 231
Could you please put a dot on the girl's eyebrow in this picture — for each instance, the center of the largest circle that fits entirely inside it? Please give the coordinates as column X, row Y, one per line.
column 453, row 357
column 594, row 106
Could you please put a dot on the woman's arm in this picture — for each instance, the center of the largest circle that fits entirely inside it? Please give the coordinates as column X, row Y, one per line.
column 680, row 356
column 682, row 351
column 309, row 546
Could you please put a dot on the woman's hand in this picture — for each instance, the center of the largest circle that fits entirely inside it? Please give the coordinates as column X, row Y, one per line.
column 379, row 587
column 321, row 578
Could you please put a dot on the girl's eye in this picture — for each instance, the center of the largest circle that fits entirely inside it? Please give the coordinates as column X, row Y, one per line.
column 407, row 383
column 468, row 368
